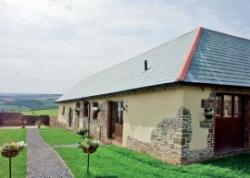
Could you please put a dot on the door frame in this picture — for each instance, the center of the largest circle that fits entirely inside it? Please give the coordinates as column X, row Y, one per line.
column 240, row 116
column 113, row 126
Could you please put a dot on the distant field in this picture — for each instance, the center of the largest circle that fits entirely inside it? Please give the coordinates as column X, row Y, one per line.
column 51, row 112
column 24, row 102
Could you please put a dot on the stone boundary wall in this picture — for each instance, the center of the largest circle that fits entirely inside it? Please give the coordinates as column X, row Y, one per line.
column 18, row 119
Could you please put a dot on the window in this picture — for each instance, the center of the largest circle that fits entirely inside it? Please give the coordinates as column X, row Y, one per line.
column 95, row 113
column 63, row 110
column 228, row 106
column 86, row 109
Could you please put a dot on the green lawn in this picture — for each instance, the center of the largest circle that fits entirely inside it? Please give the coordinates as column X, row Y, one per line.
column 59, row 136
column 19, row 163
column 51, row 112
column 117, row 162
column 113, row 161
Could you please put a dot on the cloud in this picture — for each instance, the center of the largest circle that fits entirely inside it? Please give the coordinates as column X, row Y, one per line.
column 49, row 45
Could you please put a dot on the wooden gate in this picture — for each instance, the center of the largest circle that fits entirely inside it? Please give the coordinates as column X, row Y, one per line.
column 229, row 121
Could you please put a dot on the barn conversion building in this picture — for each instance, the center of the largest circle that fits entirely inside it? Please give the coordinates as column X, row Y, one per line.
column 184, row 101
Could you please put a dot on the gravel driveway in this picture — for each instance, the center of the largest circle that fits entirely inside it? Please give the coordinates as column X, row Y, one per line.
column 43, row 161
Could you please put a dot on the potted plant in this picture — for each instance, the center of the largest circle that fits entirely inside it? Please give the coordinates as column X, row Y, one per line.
column 83, row 132
column 89, row 145
column 10, row 150
column 208, row 113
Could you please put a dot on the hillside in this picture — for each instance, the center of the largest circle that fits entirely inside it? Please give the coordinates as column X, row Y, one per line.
column 27, row 102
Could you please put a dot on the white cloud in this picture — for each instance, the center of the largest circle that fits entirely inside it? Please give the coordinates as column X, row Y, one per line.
column 48, row 45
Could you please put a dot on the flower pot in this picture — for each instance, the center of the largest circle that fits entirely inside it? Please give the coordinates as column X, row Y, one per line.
column 10, row 153
column 209, row 117
column 90, row 150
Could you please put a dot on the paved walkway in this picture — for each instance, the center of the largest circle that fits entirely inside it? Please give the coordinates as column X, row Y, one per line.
column 43, row 161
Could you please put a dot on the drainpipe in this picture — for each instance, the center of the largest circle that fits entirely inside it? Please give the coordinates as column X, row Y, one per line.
column 88, row 136
column 89, row 121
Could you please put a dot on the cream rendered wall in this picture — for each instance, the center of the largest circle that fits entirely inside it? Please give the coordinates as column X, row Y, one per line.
column 64, row 118
column 146, row 110
column 192, row 100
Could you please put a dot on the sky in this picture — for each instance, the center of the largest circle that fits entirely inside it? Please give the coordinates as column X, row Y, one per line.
column 47, row 46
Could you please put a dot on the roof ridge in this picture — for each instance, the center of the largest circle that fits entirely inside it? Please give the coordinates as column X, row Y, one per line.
column 189, row 56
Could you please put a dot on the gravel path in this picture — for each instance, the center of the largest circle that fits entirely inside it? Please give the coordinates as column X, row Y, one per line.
column 43, row 161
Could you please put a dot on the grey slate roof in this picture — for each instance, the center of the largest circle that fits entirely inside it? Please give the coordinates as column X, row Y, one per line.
column 218, row 59
column 221, row 59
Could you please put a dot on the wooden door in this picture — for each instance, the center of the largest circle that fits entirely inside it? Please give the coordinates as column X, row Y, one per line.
column 115, row 121
column 229, row 126
column 70, row 117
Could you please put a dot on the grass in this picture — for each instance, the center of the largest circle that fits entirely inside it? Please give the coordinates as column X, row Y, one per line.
column 59, row 136
column 117, row 162
column 114, row 162
column 52, row 112
column 19, row 163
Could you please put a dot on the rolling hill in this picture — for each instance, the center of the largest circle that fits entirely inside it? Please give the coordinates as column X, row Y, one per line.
column 26, row 102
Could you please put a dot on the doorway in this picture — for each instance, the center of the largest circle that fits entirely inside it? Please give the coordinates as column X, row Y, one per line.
column 70, row 117
column 229, row 123
column 115, row 121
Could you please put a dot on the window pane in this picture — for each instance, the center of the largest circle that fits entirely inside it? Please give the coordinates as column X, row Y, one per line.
column 227, row 106
column 236, row 106
column 218, row 106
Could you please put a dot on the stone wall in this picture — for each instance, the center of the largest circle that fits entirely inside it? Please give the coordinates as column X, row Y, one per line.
column 99, row 126
column 204, row 154
column 169, row 140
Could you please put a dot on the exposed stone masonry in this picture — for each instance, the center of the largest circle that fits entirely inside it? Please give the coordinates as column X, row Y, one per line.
column 169, row 140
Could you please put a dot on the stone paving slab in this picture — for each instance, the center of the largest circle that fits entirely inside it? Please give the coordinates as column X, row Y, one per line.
column 43, row 161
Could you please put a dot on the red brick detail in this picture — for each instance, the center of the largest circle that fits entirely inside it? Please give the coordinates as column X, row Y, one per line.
column 189, row 56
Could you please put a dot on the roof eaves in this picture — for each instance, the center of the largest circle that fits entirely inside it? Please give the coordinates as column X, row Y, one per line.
column 189, row 56
column 117, row 92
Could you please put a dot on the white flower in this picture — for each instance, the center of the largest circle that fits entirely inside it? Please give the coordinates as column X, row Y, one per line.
column 21, row 144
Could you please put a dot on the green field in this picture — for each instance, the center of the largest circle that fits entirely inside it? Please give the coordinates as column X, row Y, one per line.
column 116, row 162
column 14, row 102
column 19, row 163
column 58, row 136
column 51, row 112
